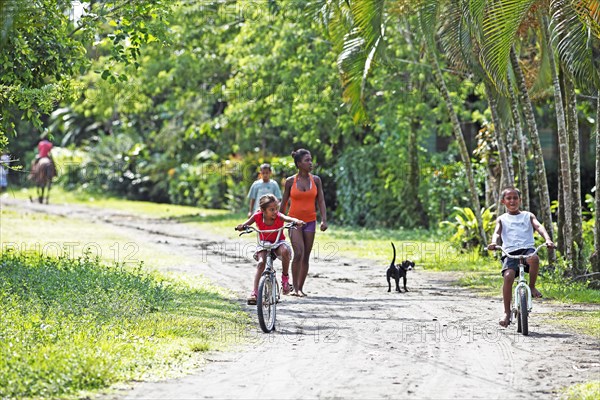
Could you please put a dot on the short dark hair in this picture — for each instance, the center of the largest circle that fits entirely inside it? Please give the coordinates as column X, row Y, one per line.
column 299, row 154
column 511, row 189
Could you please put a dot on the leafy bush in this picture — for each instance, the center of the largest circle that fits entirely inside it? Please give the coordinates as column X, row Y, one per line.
column 445, row 186
column 372, row 190
column 222, row 184
column 466, row 227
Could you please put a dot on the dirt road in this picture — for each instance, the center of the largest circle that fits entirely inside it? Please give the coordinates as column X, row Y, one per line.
column 351, row 339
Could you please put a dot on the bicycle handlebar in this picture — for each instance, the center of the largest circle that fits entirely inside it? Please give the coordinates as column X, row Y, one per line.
column 522, row 255
column 249, row 229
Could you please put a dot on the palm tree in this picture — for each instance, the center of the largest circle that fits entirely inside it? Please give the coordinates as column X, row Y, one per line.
column 596, row 257
column 521, row 145
column 563, row 151
column 569, row 31
column 363, row 29
column 536, row 146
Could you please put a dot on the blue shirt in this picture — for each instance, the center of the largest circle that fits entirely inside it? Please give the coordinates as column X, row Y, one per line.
column 259, row 188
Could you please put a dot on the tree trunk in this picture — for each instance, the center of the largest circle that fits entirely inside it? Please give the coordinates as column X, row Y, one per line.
column 536, row 147
column 575, row 151
column 596, row 255
column 560, row 216
column 563, row 149
column 499, row 133
column 462, row 146
column 521, row 146
column 414, row 178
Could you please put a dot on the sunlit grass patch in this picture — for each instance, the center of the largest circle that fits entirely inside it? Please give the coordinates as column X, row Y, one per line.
column 54, row 235
column 486, row 283
column 71, row 324
column 582, row 391
column 587, row 322
column 101, row 200
column 425, row 248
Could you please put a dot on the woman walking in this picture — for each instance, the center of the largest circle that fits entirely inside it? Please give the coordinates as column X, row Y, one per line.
column 304, row 192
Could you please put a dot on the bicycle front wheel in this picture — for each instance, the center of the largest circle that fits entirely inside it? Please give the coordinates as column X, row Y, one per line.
column 266, row 304
column 524, row 314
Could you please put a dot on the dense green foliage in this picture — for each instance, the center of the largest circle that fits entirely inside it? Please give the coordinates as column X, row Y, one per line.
column 169, row 102
column 70, row 324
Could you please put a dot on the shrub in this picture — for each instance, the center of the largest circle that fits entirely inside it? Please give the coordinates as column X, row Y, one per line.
column 466, row 227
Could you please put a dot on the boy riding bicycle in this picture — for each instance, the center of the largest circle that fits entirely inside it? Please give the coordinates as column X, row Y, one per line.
column 269, row 218
column 515, row 229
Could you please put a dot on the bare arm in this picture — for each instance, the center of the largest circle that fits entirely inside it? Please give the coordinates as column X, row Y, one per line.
column 496, row 235
column 286, row 218
column 286, row 195
column 250, row 211
column 541, row 230
column 321, row 203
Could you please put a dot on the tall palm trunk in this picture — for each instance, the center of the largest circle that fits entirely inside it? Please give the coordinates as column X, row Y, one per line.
column 462, row 146
column 596, row 257
column 499, row 131
column 536, row 147
column 573, row 135
column 521, row 146
column 563, row 148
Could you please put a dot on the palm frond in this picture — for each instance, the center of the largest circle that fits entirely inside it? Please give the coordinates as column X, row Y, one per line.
column 455, row 38
column 501, row 21
column 428, row 11
column 542, row 84
column 589, row 12
column 334, row 15
column 573, row 42
column 359, row 50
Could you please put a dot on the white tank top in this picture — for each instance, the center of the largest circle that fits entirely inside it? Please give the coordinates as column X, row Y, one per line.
column 517, row 231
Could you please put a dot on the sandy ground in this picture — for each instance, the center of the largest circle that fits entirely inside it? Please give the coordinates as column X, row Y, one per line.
column 351, row 339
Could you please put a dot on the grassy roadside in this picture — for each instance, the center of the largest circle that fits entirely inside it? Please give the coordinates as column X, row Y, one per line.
column 74, row 324
column 82, row 322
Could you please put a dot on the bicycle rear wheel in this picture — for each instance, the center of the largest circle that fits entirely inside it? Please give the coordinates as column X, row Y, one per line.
column 266, row 304
column 524, row 314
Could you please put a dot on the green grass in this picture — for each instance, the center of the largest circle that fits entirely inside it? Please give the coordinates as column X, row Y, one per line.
column 582, row 391
column 72, row 324
column 586, row 322
column 39, row 233
column 141, row 208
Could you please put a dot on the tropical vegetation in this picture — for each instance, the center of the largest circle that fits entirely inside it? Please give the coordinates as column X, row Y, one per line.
column 413, row 109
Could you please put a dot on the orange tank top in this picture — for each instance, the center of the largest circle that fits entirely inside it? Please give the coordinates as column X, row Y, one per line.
column 303, row 203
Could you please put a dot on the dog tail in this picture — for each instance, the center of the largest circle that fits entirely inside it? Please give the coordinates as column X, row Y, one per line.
column 393, row 258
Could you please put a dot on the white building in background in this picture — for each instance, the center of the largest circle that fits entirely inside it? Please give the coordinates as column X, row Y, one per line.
column 77, row 11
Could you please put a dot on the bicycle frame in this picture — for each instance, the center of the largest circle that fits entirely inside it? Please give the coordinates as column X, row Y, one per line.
column 522, row 283
column 267, row 305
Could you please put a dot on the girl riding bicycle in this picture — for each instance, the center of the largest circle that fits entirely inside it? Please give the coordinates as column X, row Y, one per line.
column 269, row 218
column 515, row 228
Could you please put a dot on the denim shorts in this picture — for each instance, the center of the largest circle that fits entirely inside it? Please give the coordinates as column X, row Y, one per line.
column 513, row 263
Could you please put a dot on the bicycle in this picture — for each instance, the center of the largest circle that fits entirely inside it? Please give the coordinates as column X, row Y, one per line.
column 268, row 287
column 522, row 301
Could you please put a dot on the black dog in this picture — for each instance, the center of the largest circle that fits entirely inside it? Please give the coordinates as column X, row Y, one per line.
column 397, row 271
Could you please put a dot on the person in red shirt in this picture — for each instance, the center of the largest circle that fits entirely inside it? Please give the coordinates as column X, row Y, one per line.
column 44, row 147
column 268, row 218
